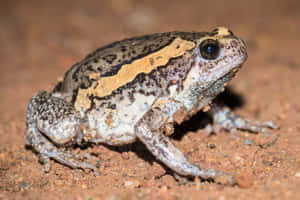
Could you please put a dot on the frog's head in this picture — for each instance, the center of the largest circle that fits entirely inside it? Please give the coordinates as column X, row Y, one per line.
column 218, row 55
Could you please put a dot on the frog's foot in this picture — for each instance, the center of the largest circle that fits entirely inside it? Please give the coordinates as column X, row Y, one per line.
column 224, row 118
column 47, row 150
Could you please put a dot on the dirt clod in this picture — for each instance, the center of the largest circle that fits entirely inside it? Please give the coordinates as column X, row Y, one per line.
column 225, row 179
column 244, row 179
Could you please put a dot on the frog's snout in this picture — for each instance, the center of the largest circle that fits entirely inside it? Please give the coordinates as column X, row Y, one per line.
column 243, row 48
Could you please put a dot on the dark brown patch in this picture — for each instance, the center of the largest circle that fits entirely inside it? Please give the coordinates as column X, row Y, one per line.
column 179, row 115
column 109, row 58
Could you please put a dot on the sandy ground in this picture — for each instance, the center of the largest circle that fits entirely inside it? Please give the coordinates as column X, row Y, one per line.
column 40, row 40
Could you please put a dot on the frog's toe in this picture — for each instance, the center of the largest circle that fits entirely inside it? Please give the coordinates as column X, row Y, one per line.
column 72, row 160
column 270, row 124
column 257, row 127
column 210, row 129
column 215, row 128
column 45, row 160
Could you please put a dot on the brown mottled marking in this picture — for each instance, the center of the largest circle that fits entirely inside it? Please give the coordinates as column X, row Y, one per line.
column 179, row 115
column 128, row 72
column 206, row 108
column 109, row 120
column 168, row 129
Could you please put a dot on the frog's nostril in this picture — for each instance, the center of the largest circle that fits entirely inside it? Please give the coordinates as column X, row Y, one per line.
column 234, row 44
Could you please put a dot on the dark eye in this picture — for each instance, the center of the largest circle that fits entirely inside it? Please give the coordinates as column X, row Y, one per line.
column 209, row 49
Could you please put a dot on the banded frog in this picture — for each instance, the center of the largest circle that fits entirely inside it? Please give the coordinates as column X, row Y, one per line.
column 137, row 89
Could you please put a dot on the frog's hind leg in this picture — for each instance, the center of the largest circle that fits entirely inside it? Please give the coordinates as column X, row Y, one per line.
column 52, row 124
column 224, row 118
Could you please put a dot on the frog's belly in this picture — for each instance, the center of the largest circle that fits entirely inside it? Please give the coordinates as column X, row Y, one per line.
column 116, row 126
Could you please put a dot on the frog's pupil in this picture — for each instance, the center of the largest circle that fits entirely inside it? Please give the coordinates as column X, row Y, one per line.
column 210, row 48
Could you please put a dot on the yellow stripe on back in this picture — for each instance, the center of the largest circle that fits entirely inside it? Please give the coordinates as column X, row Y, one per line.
column 128, row 72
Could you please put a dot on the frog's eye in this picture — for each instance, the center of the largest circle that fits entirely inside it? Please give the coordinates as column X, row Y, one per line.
column 209, row 49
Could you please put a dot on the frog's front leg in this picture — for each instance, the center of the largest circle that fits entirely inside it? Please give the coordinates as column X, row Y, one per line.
column 224, row 118
column 52, row 124
column 149, row 131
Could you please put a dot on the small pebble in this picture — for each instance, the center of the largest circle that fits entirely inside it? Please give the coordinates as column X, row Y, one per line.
column 248, row 142
column 244, row 180
column 237, row 158
column 99, row 163
column 112, row 197
column 267, row 163
column 297, row 174
column 266, row 134
column 44, row 183
column 221, row 198
column 132, row 184
column 125, row 155
column 211, row 145
column 25, row 185
column 88, row 197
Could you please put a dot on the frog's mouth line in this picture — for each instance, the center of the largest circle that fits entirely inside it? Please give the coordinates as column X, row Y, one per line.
column 219, row 84
column 222, row 72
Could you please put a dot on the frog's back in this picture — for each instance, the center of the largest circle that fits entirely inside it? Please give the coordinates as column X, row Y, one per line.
column 108, row 60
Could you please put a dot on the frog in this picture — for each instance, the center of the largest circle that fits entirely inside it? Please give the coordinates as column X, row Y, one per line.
column 138, row 89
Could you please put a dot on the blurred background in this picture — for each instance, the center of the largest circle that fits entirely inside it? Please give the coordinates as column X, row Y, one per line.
column 40, row 40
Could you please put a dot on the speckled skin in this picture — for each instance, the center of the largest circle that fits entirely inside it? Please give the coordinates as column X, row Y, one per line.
column 137, row 89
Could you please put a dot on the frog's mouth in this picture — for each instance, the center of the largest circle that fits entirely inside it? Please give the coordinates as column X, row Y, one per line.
column 222, row 72
column 218, row 85
column 220, row 77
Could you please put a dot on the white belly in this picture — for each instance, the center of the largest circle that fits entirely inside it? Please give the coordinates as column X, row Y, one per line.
column 116, row 126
